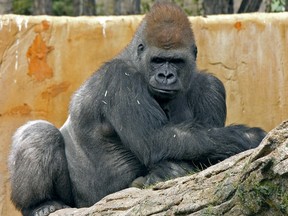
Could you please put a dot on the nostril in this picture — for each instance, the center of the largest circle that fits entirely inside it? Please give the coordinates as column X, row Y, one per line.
column 170, row 76
column 166, row 78
column 161, row 76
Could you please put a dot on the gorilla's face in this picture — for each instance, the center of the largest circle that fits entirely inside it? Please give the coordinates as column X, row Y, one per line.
column 164, row 75
column 167, row 71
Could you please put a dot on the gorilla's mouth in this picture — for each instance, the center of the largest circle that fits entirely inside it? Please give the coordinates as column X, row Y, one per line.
column 166, row 93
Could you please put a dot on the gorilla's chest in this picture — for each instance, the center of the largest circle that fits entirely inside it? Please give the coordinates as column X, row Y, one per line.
column 177, row 110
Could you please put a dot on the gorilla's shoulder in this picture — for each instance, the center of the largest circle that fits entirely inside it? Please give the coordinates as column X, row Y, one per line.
column 208, row 81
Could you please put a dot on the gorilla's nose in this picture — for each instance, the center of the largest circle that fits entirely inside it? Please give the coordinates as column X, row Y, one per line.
column 166, row 77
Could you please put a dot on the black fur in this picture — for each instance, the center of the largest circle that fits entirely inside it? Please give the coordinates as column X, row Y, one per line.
column 146, row 116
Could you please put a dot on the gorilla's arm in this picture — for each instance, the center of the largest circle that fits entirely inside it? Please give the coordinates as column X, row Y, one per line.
column 207, row 100
column 203, row 133
column 143, row 127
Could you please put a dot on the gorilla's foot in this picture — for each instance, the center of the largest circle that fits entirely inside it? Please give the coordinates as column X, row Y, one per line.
column 44, row 209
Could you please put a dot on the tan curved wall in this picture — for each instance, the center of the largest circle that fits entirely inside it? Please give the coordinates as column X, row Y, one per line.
column 43, row 60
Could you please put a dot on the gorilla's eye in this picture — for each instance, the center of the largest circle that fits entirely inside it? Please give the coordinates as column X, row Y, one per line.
column 140, row 48
column 177, row 61
column 195, row 50
column 158, row 60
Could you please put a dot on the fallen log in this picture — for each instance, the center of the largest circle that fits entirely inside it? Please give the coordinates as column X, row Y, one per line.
column 253, row 182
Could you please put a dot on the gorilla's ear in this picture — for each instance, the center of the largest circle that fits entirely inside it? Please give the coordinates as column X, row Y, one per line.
column 140, row 49
column 194, row 50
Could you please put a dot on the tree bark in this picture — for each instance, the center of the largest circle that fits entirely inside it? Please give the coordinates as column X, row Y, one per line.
column 254, row 182
column 41, row 7
column 248, row 6
column 84, row 7
column 5, row 6
column 218, row 7
column 125, row 7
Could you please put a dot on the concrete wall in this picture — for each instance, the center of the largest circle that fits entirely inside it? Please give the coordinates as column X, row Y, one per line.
column 45, row 59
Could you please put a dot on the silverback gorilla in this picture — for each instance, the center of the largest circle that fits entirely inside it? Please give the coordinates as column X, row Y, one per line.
column 146, row 116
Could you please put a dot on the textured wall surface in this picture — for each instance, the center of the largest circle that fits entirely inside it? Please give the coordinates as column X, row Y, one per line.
column 43, row 60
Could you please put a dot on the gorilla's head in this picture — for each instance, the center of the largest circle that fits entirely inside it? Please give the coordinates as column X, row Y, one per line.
column 166, row 50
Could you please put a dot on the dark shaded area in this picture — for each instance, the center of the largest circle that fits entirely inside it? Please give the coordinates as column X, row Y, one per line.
column 249, row 6
column 218, row 7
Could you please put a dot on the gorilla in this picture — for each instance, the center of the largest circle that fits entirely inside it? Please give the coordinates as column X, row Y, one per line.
column 146, row 116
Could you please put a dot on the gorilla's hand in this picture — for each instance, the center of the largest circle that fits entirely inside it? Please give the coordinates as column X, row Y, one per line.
column 164, row 171
column 139, row 182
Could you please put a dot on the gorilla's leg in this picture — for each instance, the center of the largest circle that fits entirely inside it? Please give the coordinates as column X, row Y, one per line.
column 39, row 176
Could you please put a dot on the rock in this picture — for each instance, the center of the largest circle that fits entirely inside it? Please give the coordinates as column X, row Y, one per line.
column 254, row 182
